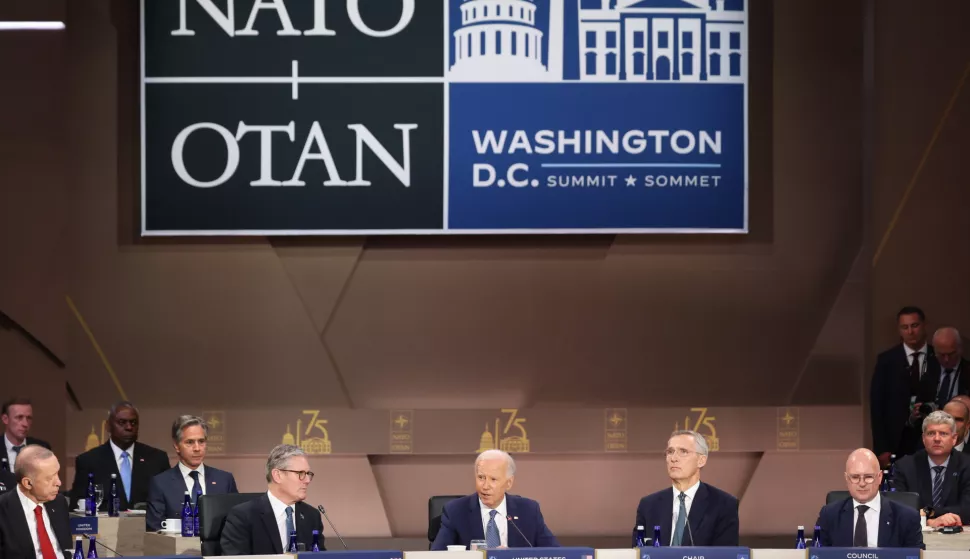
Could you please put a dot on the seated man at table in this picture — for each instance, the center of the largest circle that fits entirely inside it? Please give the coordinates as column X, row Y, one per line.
column 865, row 519
column 262, row 526
column 939, row 475
column 34, row 522
column 491, row 513
column 166, row 494
column 692, row 513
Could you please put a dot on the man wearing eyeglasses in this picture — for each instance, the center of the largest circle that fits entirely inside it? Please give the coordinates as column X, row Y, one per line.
column 865, row 519
column 939, row 475
column 693, row 513
column 263, row 526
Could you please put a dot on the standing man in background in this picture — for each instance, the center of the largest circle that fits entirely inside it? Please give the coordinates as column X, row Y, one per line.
column 18, row 417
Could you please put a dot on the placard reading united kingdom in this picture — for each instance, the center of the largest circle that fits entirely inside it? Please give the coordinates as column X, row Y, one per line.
column 336, row 117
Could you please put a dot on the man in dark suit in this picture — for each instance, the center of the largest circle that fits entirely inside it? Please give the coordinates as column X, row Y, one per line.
column 262, row 526
column 488, row 513
column 701, row 515
column 166, row 494
column 897, row 388
column 945, row 378
column 965, row 400
column 961, row 415
column 939, row 475
column 33, row 517
column 134, row 463
column 865, row 519
column 17, row 416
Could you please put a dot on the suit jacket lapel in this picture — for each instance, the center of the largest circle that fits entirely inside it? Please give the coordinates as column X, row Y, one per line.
column 52, row 508
column 696, row 515
column 304, row 529
column 950, row 475
column 845, row 527
column 886, row 527
column 665, row 514
column 269, row 523
column 924, row 481
column 108, row 459
column 477, row 528
column 511, row 507
column 16, row 513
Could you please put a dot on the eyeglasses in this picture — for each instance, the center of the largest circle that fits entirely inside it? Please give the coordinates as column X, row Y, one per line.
column 679, row 452
column 302, row 474
column 856, row 478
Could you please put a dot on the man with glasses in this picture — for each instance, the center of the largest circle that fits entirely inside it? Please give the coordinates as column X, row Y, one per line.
column 939, row 475
column 693, row 513
column 865, row 519
column 134, row 463
column 263, row 526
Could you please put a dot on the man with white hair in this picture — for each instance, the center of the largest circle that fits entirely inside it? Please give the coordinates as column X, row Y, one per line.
column 491, row 513
column 939, row 475
column 693, row 513
column 946, row 380
column 34, row 522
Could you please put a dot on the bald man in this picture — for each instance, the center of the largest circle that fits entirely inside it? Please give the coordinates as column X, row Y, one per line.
column 965, row 400
column 34, row 521
column 865, row 519
column 947, row 378
column 960, row 414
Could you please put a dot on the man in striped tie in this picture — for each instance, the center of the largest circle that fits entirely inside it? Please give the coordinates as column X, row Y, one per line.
column 939, row 475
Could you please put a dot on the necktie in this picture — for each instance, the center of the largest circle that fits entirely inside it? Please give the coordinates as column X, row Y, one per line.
column 16, row 453
column 681, row 521
column 492, row 538
column 196, row 486
column 937, row 485
column 46, row 549
column 944, row 394
column 126, row 475
column 914, row 371
column 861, row 537
column 290, row 528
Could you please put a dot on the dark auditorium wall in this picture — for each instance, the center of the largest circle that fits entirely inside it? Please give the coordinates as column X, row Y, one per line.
column 774, row 318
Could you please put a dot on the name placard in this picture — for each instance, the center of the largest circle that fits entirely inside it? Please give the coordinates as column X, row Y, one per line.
column 864, row 553
column 541, row 553
column 695, row 553
column 84, row 525
column 356, row 554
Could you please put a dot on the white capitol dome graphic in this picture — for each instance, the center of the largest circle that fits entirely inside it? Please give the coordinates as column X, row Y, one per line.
column 499, row 40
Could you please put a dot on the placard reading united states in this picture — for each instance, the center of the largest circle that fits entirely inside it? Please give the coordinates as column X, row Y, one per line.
column 336, row 117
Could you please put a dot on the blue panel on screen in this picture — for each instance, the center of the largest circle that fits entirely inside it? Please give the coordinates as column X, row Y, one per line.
column 84, row 525
column 864, row 553
column 541, row 553
column 705, row 552
column 345, row 554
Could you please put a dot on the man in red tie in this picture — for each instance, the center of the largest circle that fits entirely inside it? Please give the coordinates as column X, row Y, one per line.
column 34, row 520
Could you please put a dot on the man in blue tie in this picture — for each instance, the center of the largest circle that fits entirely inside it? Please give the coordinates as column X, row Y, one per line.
column 693, row 513
column 166, row 493
column 134, row 463
column 491, row 513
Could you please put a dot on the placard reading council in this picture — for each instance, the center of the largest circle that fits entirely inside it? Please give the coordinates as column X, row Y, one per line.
column 336, row 117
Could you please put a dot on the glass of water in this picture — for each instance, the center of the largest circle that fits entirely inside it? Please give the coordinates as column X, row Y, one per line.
column 98, row 496
column 475, row 545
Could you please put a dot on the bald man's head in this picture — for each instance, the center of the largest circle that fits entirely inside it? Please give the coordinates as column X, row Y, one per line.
column 862, row 475
column 37, row 473
column 948, row 347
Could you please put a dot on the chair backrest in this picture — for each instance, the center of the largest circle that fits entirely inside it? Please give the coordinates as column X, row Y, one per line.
column 212, row 517
column 907, row 498
column 435, row 505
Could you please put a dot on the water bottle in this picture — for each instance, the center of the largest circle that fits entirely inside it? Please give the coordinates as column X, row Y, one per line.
column 92, row 550
column 188, row 521
column 892, row 471
column 817, row 538
column 884, row 486
column 641, row 537
column 90, row 501
column 195, row 513
column 114, row 500
column 800, row 538
column 291, row 547
column 4, row 466
column 316, row 541
column 656, row 536
column 78, row 548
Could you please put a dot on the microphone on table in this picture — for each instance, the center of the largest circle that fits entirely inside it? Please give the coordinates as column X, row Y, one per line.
column 323, row 511
column 514, row 525
column 97, row 541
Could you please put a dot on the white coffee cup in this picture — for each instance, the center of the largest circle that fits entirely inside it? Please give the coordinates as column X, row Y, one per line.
column 456, row 548
column 172, row 525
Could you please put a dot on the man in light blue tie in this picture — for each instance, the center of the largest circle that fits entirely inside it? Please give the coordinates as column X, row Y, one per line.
column 134, row 463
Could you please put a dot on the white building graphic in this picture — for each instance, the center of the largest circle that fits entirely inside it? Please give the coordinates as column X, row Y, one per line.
column 619, row 40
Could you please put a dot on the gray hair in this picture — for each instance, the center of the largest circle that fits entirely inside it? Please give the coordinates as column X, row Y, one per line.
column 949, row 330
column 493, row 454
column 700, row 443
column 939, row 417
column 279, row 458
column 121, row 405
column 183, row 422
column 28, row 458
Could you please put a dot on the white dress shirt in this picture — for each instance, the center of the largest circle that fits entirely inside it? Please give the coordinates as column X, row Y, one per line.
column 690, row 492
column 29, row 507
column 189, row 482
column 501, row 520
column 922, row 357
column 118, row 450
column 11, row 454
column 279, row 512
column 933, row 464
column 872, row 519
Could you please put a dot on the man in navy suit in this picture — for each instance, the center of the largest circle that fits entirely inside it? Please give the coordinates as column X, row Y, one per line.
column 17, row 416
column 692, row 513
column 491, row 514
column 865, row 519
column 166, row 493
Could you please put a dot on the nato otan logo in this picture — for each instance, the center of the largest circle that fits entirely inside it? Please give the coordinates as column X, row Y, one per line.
column 653, row 41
